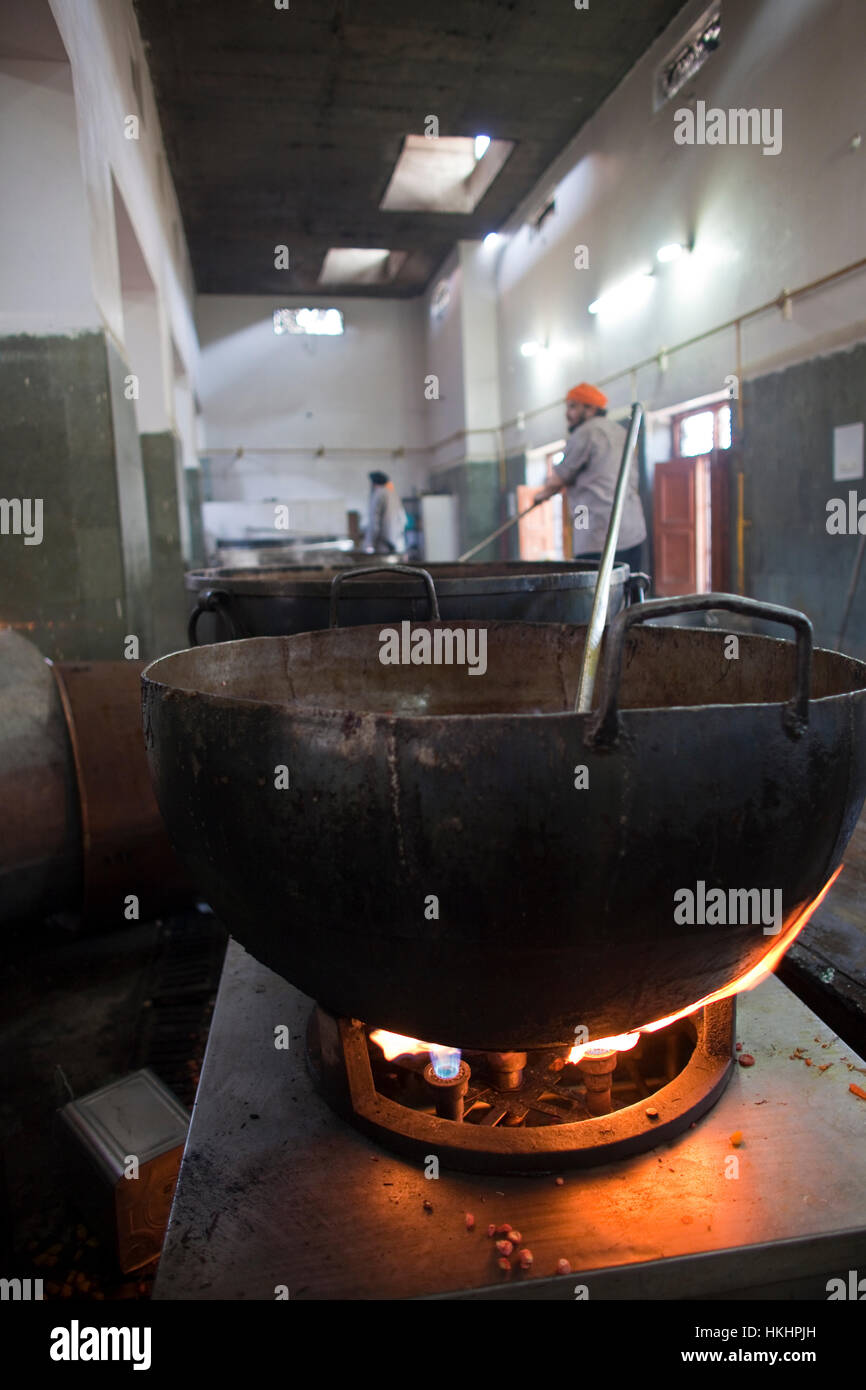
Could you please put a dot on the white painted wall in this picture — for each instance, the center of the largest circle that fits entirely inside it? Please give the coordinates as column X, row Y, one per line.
column 101, row 38
column 282, row 398
column 142, row 333
column 443, row 354
column 480, row 335
column 89, row 223
column 760, row 223
column 143, row 325
column 250, row 521
column 45, row 284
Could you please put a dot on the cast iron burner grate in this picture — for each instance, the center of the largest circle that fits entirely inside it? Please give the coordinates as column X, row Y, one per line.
column 657, row 1090
column 551, row 1090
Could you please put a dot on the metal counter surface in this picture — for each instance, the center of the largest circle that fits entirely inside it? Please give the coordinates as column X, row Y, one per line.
column 276, row 1192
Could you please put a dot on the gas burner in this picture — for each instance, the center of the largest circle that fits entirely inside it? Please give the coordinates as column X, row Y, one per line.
column 526, row 1112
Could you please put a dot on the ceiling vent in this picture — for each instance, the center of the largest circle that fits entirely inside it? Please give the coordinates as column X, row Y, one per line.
column 544, row 210
column 360, row 265
column 688, row 56
column 443, row 173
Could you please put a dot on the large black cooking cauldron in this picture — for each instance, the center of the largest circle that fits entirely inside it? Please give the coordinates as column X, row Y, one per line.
column 436, row 865
column 276, row 602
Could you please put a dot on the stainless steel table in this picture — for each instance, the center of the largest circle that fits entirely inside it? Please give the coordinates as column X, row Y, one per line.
column 278, row 1196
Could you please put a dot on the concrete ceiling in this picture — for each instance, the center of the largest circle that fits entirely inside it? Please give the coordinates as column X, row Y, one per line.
column 282, row 126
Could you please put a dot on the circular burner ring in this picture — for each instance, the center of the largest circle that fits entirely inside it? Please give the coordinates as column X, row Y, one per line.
column 338, row 1055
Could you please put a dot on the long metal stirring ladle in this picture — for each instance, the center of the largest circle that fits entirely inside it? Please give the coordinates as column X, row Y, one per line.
column 598, row 617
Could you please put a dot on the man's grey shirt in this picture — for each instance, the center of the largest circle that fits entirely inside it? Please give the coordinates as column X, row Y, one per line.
column 590, row 466
column 387, row 519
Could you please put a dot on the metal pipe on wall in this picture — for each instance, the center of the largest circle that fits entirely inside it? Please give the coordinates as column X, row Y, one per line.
column 741, row 514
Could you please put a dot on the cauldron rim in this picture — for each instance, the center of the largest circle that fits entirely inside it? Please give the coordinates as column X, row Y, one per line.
column 467, row 580
column 340, row 712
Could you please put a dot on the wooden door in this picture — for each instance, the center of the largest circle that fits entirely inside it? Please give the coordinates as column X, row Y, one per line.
column 675, row 541
column 691, row 525
column 538, row 531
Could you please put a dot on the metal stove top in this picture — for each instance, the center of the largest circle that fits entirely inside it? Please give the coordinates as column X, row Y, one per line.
column 275, row 1192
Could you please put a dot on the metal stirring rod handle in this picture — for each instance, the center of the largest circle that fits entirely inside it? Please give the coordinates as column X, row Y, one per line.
column 598, row 617
column 512, row 521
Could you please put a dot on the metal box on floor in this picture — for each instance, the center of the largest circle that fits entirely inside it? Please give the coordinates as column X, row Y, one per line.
column 124, row 1144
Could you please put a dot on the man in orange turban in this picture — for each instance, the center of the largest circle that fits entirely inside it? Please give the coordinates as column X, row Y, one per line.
column 588, row 473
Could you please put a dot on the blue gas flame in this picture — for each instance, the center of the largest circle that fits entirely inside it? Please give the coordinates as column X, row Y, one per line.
column 445, row 1061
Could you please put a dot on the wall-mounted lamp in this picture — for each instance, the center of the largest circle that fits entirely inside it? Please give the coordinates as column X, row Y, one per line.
column 491, row 239
column 671, row 251
column 629, row 295
column 481, row 143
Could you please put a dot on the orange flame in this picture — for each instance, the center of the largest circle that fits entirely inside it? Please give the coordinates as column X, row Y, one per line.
column 765, row 966
column 395, row 1045
column 620, row 1042
column 753, row 976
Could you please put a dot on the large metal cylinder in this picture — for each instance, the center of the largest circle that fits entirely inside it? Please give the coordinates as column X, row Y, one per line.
column 126, row 848
column 82, row 830
column 40, row 848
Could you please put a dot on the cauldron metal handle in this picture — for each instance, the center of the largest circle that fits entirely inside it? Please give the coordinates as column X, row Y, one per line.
column 414, row 570
column 637, row 583
column 604, row 726
column 213, row 601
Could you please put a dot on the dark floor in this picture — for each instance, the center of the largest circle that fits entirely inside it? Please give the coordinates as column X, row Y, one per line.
column 79, row 1010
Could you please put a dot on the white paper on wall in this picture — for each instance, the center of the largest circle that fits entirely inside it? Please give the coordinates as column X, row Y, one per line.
column 848, row 451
